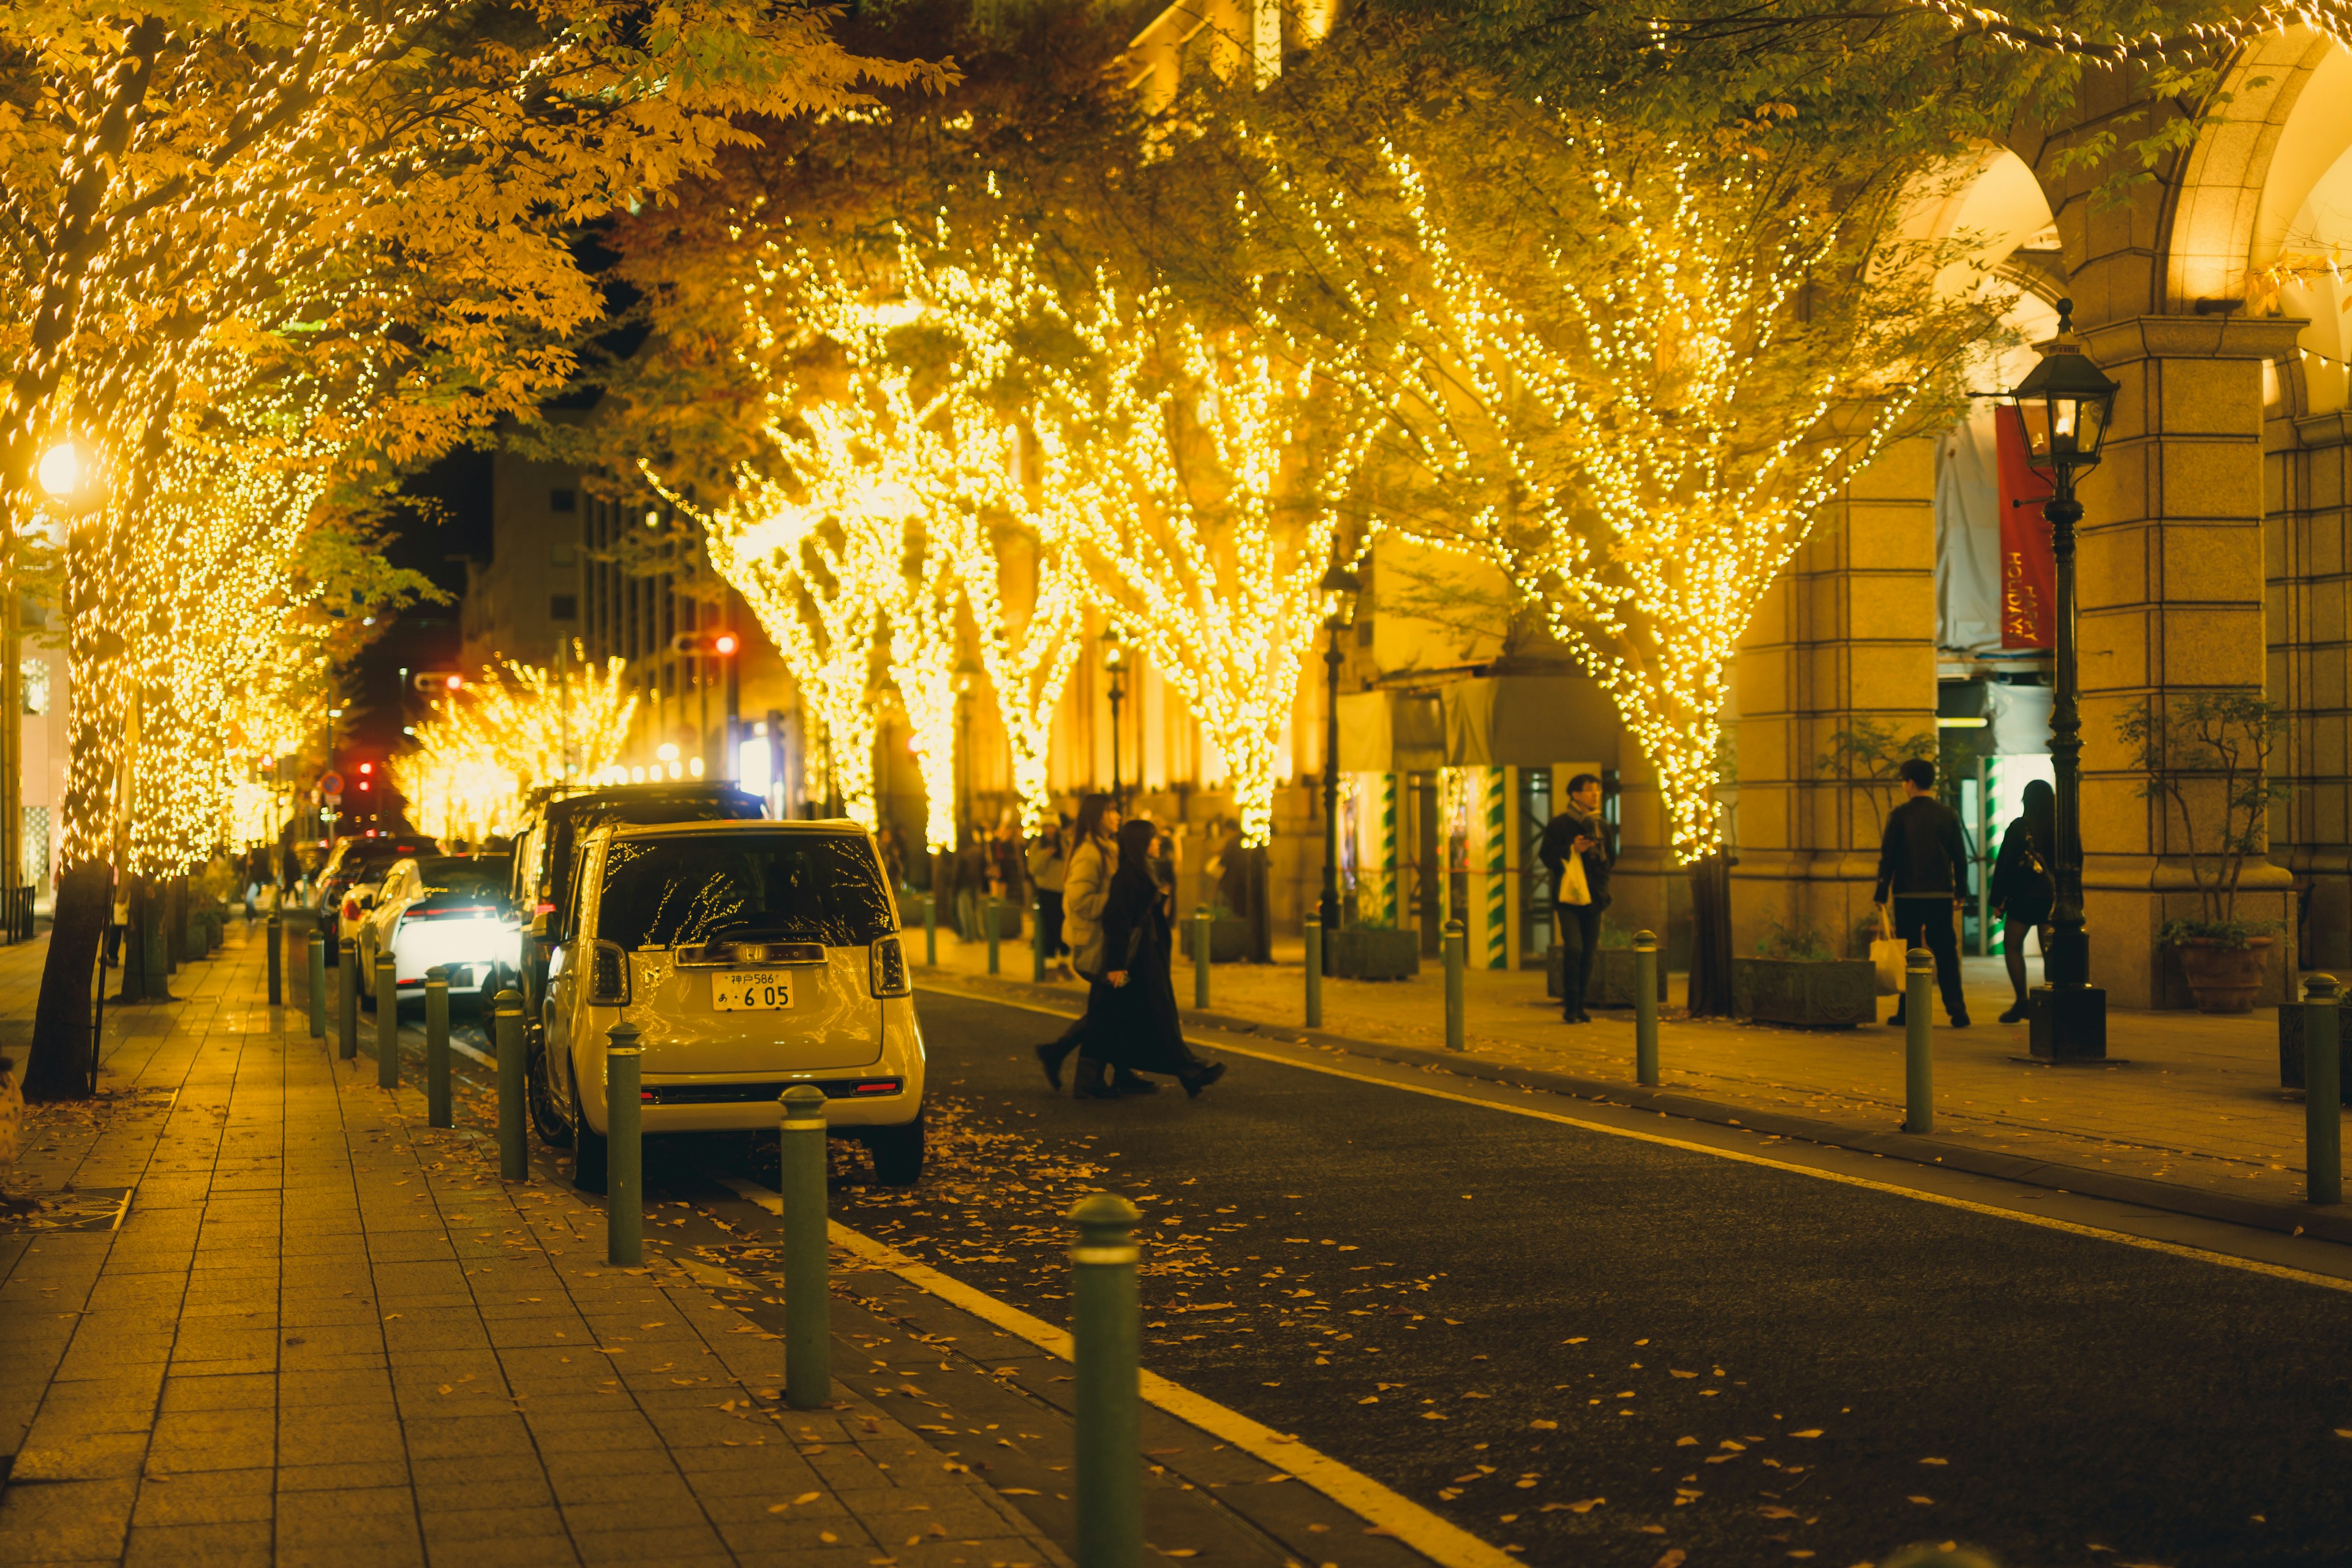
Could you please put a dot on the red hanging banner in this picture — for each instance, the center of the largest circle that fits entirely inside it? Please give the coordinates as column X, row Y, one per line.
column 2027, row 576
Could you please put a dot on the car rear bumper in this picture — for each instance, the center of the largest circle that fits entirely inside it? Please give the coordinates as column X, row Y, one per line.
column 757, row 1110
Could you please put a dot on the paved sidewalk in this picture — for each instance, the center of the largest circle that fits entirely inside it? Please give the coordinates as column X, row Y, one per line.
column 2195, row 1101
column 320, row 1331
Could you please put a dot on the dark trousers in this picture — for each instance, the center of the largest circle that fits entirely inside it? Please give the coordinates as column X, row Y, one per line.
column 1580, row 935
column 1049, row 923
column 1926, row 921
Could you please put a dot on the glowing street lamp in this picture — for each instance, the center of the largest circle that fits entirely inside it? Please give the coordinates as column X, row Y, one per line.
column 2066, row 405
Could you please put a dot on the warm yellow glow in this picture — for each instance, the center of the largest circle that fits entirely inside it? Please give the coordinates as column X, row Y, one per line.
column 61, row 470
column 494, row 740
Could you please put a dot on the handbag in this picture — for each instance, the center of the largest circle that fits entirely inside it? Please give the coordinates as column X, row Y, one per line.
column 1889, row 961
column 1573, row 887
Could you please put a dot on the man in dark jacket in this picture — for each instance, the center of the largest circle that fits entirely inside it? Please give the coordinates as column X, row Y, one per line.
column 1923, row 863
column 1577, row 831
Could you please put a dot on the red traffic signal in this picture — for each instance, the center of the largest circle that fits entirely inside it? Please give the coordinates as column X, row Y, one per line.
column 721, row 645
column 438, row 681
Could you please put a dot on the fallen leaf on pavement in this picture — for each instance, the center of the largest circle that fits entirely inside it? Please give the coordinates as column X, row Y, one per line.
column 1673, row 1557
column 1808, row 1432
column 1924, row 1501
column 1542, row 1426
column 1935, row 1461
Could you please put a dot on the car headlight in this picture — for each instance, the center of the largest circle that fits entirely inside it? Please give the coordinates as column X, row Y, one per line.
column 885, row 967
column 608, row 975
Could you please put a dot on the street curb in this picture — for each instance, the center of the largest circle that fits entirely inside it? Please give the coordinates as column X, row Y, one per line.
column 2326, row 1224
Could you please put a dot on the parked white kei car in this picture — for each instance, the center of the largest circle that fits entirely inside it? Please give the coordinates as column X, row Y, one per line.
column 445, row 909
column 751, row 956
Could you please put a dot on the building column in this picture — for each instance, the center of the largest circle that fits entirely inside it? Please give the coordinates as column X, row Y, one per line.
column 1835, row 679
column 2172, row 591
column 2306, row 542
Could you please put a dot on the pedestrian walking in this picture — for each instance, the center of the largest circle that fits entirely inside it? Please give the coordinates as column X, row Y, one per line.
column 1135, row 1028
column 2022, row 890
column 1049, row 865
column 1085, row 888
column 1575, row 850
column 1923, row 866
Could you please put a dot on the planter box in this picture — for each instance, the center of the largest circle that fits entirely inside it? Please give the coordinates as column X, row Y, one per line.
column 2289, row 1038
column 1374, row 952
column 1613, row 976
column 1228, row 939
column 1807, row 993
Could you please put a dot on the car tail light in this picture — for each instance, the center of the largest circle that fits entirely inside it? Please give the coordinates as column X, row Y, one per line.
column 886, row 966
column 608, row 975
column 471, row 911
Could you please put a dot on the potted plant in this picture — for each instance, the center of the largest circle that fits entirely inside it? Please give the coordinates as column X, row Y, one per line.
column 1374, row 952
column 1229, row 936
column 1613, row 968
column 2207, row 758
column 1794, row 979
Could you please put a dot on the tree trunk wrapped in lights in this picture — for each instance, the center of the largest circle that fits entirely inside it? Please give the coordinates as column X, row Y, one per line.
column 1195, row 477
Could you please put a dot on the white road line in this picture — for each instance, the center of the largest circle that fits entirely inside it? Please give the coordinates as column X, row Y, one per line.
column 463, row 1049
column 2147, row 1243
column 1441, row 1542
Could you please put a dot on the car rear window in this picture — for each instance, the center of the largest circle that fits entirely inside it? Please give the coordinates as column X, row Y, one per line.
column 801, row 887
column 475, row 880
column 564, row 828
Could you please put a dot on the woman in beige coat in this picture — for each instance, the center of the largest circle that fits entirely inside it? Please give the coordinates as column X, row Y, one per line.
column 1085, row 888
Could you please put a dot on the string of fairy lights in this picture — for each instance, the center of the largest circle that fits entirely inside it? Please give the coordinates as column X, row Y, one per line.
column 515, row 726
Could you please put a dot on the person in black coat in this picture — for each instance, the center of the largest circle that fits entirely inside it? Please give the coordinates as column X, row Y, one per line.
column 1923, row 863
column 1577, row 831
column 2023, row 889
column 1137, row 1026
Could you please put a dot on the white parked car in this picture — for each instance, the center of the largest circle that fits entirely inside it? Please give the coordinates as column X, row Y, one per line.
column 445, row 909
column 750, row 956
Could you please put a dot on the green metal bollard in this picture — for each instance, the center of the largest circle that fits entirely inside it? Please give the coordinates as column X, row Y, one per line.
column 624, row 1153
column 347, row 1000
column 277, row 940
column 1314, row 927
column 314, row 970
column 1457, row 958
column 387, row 1023
column 808, row 1296
column 1037, row 941
column 1918, row 1057
column 1107, row 1332
column 988, row 918
column 1200, row 956
column 1645, row 1008
column 506, row 1023
column 2323, row 1091
column 436, row 1047
column 931, row 929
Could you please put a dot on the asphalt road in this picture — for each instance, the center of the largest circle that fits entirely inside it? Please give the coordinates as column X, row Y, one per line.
column 1602, row 1351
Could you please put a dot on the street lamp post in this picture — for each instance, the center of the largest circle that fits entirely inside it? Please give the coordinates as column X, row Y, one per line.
column 1115, row 666
column 2064, row 403
column 1340, row 589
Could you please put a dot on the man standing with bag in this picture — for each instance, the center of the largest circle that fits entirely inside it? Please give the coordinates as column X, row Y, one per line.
column 1575, row 851
column 1923, row 863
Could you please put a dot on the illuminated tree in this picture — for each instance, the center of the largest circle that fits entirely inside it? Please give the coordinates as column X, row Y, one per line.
column 1196, row 478
column 801, row 552
column 377, row 198
column 518, row 727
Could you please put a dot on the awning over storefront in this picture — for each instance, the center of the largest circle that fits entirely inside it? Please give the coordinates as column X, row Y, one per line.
column 1507, row 721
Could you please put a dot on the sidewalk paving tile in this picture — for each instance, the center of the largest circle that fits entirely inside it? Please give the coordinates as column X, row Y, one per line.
column 323, row 1332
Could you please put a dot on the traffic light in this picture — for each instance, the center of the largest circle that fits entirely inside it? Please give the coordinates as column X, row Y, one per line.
column 439, row 683
column 712, row 643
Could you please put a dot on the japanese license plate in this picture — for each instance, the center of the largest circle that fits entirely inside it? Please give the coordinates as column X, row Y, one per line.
column 751, row 990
